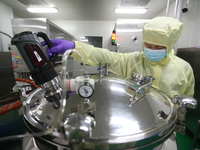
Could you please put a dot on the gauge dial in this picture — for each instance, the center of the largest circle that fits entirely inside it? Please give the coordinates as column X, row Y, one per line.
column 85, row 90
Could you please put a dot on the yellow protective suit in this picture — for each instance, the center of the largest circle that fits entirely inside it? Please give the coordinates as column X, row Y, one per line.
column 173, row 75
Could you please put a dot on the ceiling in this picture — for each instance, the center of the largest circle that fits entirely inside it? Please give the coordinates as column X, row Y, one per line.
column 98, row 10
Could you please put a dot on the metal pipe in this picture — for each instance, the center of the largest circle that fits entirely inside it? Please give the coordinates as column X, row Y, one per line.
column 167, row 9
column 175, row 8
column 6, row 34
column 187, row 3
column 179, row 10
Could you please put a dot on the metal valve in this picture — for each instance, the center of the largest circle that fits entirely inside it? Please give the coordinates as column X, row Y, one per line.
column 183, row 102
column 142, row 82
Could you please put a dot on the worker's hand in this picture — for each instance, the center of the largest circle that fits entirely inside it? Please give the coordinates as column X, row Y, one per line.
column 59, row 46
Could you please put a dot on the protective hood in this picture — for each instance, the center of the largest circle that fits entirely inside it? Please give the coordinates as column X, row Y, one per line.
column 163, row 31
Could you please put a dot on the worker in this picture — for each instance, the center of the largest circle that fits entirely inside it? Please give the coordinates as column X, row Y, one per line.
column 172, row 74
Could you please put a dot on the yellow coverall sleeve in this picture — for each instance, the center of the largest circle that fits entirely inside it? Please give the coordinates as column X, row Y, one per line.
column 94, row 56
column 174, row 78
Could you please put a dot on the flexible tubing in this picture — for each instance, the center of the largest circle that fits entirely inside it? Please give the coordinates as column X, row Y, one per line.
column 18, row 103
column 27, row 81
column 63, row 100
column 64, row 82
column 10, row 99
column 38, row 134
column 10, row 107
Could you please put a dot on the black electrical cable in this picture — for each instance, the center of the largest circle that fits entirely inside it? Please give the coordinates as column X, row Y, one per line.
column 6, row 34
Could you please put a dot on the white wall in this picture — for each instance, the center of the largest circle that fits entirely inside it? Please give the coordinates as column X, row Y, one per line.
column 191, row 20
column 6, row 14
column 189, row 38
column 88, row 28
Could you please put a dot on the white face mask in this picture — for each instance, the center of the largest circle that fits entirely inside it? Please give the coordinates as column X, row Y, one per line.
column 155, row 55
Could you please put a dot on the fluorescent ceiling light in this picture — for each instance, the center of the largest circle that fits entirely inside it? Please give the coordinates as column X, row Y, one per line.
column 131, row 11
column 42, row 9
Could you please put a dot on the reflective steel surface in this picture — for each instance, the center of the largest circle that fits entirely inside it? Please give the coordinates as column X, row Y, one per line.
column 147, row 123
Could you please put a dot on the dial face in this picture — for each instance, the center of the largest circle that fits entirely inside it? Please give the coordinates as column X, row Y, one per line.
column 85, row 90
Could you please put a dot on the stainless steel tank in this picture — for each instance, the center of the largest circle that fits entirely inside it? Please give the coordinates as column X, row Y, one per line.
column 146, row 124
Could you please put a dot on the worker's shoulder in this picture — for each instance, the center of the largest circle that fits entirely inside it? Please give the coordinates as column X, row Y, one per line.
column 181, row 62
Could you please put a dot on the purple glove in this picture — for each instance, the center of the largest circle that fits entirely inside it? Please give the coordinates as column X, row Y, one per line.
column 59, row 46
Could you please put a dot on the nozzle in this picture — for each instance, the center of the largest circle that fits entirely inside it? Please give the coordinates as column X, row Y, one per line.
column 53, row 91
column 55, row 99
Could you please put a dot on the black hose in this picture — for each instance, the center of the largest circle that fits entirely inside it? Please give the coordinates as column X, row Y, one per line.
column 6, row 34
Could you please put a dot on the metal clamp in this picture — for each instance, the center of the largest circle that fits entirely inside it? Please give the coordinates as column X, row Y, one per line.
column 22, row 89
column 183, row 102
column 143, row 82
column 103, row 70
column 86, row 106
column 140, row 79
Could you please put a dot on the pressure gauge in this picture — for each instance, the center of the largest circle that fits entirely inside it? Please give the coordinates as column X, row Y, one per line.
column 85, row 90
